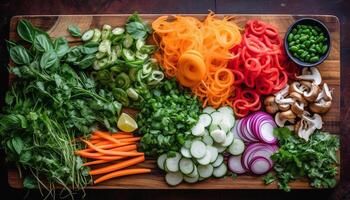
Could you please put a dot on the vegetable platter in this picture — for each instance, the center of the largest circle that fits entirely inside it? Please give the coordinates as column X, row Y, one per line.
column 179, row 165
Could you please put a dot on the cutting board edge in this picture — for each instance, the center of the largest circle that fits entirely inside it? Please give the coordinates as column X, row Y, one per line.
column 15, row 18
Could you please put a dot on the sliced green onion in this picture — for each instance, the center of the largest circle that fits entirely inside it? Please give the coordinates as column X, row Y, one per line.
column 103, row 75
column 146, row 68
column 141, row 56
column 105, row 46
column 113, row 57
column 100, row 64
column 128, row 55
column 121, row 96
column 118, row 31
column 106, row 32
column 132, row 94
column 116, row 69
column 155, row 77
column 97, row 35
column 127, row 42
column 118, row 50
column 87, row 35
column 122, row 80
column 133, row 74
column 139, row 44
column 116, row 39
column 148, row 49
column 100, row 55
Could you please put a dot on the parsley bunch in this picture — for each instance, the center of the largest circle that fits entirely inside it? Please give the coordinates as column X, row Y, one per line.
column 315, row 159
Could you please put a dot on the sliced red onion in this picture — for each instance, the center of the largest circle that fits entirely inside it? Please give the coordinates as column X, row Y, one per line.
column 260, row 165
column 235, row 165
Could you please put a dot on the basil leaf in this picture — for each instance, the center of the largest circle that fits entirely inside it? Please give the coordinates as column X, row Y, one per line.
column 48, row 59
column 90, row 48
column 136, row 29
column 42, row 43
column 29, row 183
column 74, row 31
column 19, row 55
column 26, row 31
column 25, row 157
column 86, row 62
column 10, row 44
column 61, row 46
column 17, row 144
column 74, row 54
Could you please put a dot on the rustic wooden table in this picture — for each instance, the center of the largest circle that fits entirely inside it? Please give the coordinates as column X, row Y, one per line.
column 339, row 8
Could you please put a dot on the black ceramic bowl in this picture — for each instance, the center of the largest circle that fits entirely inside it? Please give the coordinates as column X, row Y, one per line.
column 314, row 22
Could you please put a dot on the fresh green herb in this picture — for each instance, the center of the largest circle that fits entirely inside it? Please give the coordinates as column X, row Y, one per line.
column 167, row 114
column 74, row 31
column 26, row 31
column 19, row 55
column 137, row 28
column 123, row 61
column 61, row 46
column 315, row 159
column 48, row 105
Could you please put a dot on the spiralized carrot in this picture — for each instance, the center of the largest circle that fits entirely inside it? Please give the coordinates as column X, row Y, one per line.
column 197, row 54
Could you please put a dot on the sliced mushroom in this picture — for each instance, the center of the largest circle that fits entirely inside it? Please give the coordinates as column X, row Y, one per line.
column 270, row 105
column 297, row 87
column 283, row 107
column 282, row 117
column 325, row 93
column 321, row 106
column 323, row 102
column 308, row 125
column 316, row 120
column 297, row 125
column 299, row 104
column 312, row 91
column 280, row 96
column 311, row 74
column 305, row 130
column 283, row 92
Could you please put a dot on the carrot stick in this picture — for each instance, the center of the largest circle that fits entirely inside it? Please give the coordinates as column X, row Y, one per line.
column 106, row 136
column 116, row 136
column 108, row 146
column 121, row 173
column 122, row 148
column 108, row 142
column 134, row 139
column 95, row 162
column 96, row 141
column 112, row 153
column 118, row 166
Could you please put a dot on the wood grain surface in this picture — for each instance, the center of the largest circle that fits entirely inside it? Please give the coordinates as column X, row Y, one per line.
column 330, row 70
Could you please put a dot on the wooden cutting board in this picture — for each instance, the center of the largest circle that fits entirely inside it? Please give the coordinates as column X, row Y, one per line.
column 330, row 70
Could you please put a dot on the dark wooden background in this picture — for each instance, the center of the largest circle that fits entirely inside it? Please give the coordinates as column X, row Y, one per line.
column 340, row 8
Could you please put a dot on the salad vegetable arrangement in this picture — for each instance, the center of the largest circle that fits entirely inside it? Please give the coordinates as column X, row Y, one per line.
column 210, row 97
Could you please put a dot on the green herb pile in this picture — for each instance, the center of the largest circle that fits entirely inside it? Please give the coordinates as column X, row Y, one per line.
column 48, row 105
column 167, row 115
column 315, row 159
column 123, row 61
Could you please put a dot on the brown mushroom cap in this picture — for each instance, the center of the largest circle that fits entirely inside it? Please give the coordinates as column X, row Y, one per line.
column 312, row 91
column 296, row 87
column 283, row 107
column 297, row 108
column 298, row 98
column 321, row 107
column 282, row 117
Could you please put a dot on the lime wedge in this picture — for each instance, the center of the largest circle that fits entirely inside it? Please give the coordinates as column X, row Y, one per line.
column 126, row 123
